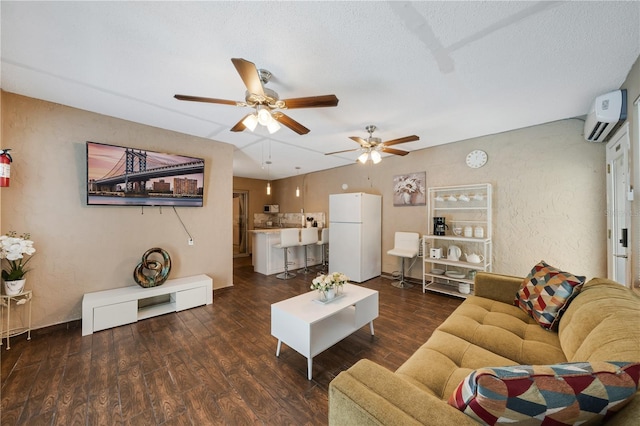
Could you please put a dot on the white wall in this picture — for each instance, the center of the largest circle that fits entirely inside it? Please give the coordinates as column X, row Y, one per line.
column 549, row 195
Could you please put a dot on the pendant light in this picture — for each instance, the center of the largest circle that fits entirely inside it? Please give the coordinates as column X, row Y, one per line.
column 268, row 163
column 297, row 187
column 268, row 178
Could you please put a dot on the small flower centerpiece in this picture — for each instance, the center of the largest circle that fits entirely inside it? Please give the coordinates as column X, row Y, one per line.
column 13, row 249
column 329, row 285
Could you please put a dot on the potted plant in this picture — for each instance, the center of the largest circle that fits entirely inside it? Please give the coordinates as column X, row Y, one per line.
column 13, row 249
column 329, row 285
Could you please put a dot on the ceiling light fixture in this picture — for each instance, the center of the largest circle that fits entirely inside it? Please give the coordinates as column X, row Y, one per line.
column 268, row 163
column 273, row 126
column 262, row 116
column 373, row 153
column 297, row 187
column 268, row 178
column 250, row 122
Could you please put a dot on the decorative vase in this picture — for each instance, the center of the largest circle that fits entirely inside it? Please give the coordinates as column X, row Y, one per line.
column 328, row 294
column 331, row 293
column 11, row 288
column 406, row 198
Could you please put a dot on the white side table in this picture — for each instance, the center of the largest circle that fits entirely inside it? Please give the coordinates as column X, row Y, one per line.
column 23, row 298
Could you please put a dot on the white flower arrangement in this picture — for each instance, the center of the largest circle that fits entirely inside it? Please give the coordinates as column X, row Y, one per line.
column 13, row 249
column 326, row 282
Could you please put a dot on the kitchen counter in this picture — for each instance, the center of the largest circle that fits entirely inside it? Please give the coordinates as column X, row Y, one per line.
column 272, row 228
column 269, row 260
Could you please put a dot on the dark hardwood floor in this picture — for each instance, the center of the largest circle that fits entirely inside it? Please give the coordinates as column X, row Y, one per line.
column 208, row 365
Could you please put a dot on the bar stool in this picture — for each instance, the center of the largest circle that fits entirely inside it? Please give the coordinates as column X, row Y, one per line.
column 406, row 247
column 308, row 236
column 324, row 243
column 288, row 238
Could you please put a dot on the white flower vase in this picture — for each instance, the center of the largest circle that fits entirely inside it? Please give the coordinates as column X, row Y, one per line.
column 406, row 198
column 331, row 293
column 12, row 288
column 327, row 295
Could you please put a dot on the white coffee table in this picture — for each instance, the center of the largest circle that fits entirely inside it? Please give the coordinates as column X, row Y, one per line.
column 311, row 327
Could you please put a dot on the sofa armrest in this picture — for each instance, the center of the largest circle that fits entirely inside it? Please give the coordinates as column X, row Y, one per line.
column 502, row 288
column 369, row 394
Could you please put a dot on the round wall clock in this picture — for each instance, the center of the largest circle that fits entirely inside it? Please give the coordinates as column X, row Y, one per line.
column 477, row 158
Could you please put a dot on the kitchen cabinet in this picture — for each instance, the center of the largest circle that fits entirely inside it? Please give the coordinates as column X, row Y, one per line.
column 462, row 247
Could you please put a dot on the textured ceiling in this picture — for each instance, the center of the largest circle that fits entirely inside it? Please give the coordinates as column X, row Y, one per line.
column 445, row 71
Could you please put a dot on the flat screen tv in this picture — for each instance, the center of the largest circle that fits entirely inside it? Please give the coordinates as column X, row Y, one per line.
column 122, row 176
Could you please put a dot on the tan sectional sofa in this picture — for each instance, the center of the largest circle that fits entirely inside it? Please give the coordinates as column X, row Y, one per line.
column 602, row 323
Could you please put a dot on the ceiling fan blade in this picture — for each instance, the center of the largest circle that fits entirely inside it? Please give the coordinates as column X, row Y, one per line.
column 290, row 123
column 239, row 125
column 338, row 152
column 411, row 138
column 311, row 102
column 361, row 141
column 393, row 151
column 249, row 75
column 209, row 100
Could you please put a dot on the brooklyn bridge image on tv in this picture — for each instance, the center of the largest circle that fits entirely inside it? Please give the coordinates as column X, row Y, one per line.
column 119, row 175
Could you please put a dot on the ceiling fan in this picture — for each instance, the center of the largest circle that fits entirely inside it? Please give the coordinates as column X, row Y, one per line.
column 265, row 101
column 372, row 147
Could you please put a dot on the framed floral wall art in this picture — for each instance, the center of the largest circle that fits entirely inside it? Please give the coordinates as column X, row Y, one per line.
column 409, row 189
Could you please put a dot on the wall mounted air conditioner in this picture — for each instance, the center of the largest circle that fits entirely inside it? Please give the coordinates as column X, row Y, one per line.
column 607, row 114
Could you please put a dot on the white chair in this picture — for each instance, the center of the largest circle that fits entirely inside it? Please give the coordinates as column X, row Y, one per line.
column 288, row 238
column 406, row 246
column 308, row 236
column 324, row 244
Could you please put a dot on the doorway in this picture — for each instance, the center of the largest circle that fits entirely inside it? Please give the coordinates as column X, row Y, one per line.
column 619, row 207
column 240, row 223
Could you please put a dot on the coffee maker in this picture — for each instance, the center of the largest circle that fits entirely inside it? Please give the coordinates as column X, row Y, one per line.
column 439, row 226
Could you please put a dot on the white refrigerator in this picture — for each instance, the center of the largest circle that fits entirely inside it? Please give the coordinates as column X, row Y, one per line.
column 355, row 240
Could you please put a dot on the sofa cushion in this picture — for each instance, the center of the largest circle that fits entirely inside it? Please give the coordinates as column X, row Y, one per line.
column 503, row 330
column 558, row 394
column 545, row 293
column 478, row 333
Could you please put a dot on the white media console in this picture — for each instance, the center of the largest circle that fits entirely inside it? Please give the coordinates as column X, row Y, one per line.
column 120, row 306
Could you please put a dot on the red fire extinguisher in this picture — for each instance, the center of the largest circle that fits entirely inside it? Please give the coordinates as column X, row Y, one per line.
column 5, row 166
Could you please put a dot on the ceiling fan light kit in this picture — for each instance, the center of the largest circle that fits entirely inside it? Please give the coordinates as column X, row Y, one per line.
column 273, row 126
column 250, row 122
column 264, row 116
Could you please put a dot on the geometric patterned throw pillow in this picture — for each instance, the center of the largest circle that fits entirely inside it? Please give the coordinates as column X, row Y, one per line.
column 546, row 292
column 561, row 394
